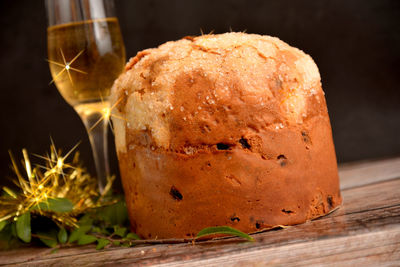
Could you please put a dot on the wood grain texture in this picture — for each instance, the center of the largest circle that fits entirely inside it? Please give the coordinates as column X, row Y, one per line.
column 364, row 231
column 367, row 172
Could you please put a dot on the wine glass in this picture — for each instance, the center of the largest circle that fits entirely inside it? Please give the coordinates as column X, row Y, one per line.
column 86, row 54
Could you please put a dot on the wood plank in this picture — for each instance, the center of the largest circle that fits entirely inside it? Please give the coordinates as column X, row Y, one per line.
column 367, row 172
column 369, row 220
column 358, row 249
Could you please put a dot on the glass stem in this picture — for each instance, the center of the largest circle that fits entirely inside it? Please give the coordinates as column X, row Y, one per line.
column 97, row 129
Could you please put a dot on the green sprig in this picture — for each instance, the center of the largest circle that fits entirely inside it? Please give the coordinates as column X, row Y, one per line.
column 99, row 226
column 223, row 230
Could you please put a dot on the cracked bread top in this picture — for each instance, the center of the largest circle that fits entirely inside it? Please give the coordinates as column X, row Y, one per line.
column 213, row 89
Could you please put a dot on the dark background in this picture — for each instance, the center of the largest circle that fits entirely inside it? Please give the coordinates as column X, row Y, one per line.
column 356, row 45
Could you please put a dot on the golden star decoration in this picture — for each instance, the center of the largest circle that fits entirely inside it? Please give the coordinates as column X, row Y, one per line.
column 66, row 66
column 107, row 113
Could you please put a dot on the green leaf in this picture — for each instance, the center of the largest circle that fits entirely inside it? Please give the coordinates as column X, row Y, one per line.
column 86, row 239
column 116, row 243
column 14, row 230
column 96, row 229
column 51, row 243
column 86, row 220
column 133, row 236
column 99, row 230
column 49, row 239
column 104, row 231
column 226, row 230
column 77, row 233
column 23, row 227
column 55, row 204
column 6, row 235
column 120, row 231
column 101, row 243
column 62, row 235
column 115, row 214
column 2, row 225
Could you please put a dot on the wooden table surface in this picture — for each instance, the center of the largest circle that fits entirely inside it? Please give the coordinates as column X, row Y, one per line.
column 364, row 231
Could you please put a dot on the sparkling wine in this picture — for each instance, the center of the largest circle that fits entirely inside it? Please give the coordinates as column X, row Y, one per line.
column 85, row 58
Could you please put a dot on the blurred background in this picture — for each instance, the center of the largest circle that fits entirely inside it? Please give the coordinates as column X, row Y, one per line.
column 356, row 45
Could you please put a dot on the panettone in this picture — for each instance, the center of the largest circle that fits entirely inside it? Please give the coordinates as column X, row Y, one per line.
column 227, row 129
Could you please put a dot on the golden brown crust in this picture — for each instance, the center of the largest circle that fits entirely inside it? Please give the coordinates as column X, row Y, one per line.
column 225, row 129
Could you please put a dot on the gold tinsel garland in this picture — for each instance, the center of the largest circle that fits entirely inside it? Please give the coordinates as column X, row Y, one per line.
column 56, row 178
